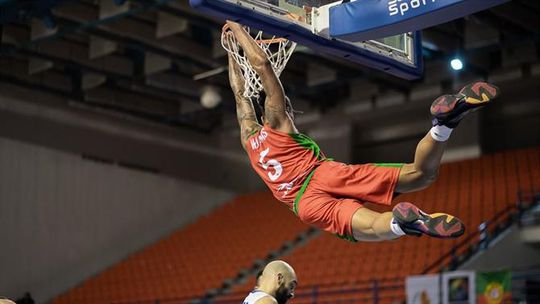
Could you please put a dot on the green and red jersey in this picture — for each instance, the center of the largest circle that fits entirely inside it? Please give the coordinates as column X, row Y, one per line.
column 283, row 160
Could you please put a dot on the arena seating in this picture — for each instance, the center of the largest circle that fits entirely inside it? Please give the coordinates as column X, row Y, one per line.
column 473, row 189
column 200, row 256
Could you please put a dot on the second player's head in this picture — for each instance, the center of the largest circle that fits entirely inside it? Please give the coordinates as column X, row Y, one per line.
column 279, row 280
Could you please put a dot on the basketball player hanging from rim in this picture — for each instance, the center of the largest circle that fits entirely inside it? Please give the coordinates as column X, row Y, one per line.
column 329, row 194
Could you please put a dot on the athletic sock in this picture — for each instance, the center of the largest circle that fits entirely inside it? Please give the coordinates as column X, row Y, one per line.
column 440, row 133
column 396, row 229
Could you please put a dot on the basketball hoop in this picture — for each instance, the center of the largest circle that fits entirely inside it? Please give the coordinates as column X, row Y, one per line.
column 278, row 51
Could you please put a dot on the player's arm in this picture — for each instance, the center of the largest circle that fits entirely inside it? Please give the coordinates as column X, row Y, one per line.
column 274, row 107
column 245, row 113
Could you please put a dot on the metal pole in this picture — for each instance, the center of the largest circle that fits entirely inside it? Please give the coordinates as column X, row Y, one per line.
column 375, row 292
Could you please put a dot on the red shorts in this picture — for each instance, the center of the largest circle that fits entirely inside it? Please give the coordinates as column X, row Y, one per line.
column 336, row 191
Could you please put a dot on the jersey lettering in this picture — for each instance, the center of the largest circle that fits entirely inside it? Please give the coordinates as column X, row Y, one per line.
column 256, row 141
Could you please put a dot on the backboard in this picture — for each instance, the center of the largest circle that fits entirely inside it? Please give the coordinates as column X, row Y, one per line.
column 307, row 22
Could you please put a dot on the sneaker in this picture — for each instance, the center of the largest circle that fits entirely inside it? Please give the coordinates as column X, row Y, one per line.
column 448, row 110
column 414, row 221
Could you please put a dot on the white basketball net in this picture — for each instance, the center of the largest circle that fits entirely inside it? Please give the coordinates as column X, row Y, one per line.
column 278, row 51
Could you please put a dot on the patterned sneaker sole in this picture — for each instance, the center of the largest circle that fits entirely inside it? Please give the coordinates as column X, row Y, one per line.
column 476, row 94
column 439, row 225
column 479, row 92
column 442, row 225
column 406, row 213
column 443, row 105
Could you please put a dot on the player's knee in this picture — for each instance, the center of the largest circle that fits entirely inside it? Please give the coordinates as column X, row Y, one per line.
column 412, row 179
column 425, row 179
column 373, row 236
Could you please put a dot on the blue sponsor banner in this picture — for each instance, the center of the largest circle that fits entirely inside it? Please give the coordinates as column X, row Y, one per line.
column 371, row 19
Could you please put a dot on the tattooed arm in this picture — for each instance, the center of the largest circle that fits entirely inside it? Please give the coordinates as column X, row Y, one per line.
column 245, row 113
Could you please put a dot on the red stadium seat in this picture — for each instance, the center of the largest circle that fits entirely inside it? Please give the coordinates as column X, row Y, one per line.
column 217, row 246
column 197, row 258
column 474, row 190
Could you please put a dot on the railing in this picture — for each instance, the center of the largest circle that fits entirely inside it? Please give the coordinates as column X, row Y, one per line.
column 485, row 233
column 526, row 285
column 476, row 241
column 482, row 234
column 525, row 289
column 362, row 292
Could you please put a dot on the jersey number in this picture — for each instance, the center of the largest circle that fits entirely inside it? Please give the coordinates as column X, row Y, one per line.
column 270, row 163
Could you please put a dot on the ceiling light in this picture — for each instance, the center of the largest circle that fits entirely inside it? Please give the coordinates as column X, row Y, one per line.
column 456, row 64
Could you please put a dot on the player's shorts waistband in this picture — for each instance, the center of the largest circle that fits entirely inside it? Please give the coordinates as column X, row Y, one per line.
column 310, row 175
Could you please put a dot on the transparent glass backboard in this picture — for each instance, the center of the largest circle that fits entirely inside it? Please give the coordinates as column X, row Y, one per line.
column 305, row 8
column 307, row 22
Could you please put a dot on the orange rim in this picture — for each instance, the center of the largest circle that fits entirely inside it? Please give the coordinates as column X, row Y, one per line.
column 260, row 41
column 270, row 41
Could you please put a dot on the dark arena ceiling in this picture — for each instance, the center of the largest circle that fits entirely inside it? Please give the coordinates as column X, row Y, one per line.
column 139, row 58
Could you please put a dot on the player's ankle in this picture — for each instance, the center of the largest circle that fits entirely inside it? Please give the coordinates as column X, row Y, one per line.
column 440, row 133
column 396, row 228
